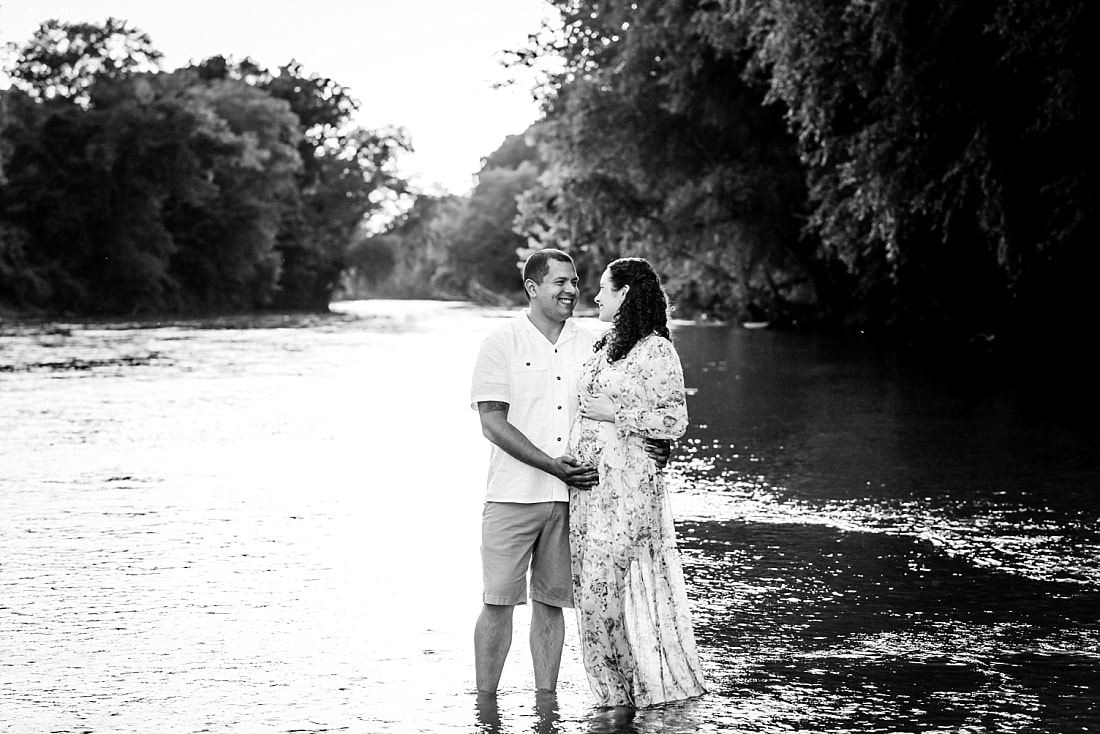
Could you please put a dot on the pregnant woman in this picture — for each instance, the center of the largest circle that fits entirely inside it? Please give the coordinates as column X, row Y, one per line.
column 628, row 585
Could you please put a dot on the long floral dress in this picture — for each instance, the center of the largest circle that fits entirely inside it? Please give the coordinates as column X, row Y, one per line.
column 628, row 585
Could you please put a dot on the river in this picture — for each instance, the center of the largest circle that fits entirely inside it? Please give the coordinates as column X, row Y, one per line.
column 271, row 524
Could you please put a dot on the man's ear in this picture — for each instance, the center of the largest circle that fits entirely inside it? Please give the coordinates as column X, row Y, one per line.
column 530, row 286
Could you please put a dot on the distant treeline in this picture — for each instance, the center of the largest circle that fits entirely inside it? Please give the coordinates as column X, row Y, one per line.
column 927, row 167
column 219, row 186
column 921, row 167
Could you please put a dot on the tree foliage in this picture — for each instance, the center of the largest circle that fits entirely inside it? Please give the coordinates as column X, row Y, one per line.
column 922, row 166
column 217, row 186
column 414, row 257
column 457, row 246
column 949, row 147
column 64, row 60
column 485, row 246
column 659, row 147
column 347, row 173
column 227, row 256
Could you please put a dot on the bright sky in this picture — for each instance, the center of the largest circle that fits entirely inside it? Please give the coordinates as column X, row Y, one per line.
column 426, row 65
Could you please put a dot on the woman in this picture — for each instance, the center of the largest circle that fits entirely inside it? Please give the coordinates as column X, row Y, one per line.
column 628, row 585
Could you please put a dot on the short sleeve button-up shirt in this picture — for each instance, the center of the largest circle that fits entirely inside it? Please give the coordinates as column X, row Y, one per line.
column 518, row 365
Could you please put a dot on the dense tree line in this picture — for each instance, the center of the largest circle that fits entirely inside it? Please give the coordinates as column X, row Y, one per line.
column 454, row 246
column 921, row 166
column 925, row 166
column 220, row 185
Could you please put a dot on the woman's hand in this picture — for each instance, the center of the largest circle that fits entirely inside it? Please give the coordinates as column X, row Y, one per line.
column 598, row 407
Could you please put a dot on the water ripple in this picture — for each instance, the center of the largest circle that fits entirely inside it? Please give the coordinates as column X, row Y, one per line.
column 271, row 524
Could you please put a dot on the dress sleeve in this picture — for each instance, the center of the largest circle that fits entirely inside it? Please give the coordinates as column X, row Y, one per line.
column 653, row 403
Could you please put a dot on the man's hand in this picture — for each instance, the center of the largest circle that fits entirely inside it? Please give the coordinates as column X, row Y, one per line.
column 574, row 473
column 495, row 426
column 658, row 449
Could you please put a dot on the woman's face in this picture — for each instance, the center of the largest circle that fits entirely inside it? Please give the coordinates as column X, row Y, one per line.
column 608, row 299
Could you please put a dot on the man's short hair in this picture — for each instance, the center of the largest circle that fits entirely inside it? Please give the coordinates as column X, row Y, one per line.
column 538, row 264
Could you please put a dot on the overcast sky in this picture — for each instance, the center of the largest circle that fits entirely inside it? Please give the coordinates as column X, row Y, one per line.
column 426, row 65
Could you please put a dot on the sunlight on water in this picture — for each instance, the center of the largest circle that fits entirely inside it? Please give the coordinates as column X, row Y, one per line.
column 271, row 524
column 1034, row 541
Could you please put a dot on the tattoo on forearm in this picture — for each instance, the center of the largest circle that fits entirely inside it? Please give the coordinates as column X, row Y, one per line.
column 493, row 406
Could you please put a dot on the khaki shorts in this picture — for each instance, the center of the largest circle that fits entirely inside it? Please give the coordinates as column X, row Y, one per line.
column 515, row 536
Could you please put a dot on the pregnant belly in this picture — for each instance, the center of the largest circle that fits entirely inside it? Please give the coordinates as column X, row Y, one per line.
column 587, row 439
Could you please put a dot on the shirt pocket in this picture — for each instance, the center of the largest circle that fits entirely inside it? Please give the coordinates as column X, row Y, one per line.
column 528, row 377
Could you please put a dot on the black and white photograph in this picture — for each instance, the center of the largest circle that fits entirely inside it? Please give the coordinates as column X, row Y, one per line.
column 552, row 366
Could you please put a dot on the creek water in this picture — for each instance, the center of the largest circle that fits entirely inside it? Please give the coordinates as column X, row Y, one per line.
column 271, row 524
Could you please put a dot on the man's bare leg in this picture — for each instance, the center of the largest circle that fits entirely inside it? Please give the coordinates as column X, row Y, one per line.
column 492, row 639
column 488, row 715
column 547, row 639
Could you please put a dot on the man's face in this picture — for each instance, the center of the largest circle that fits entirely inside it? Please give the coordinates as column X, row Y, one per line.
column 556, row 295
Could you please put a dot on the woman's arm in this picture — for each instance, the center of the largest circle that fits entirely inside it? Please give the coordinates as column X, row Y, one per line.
column 653, row 403
column 601, row 407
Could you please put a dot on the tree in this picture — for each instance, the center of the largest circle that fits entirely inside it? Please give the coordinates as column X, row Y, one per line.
column 84, row 190
column 227, row 238
column 659, row 147
column 140, row 191
column 414, row 257
column 64, row 60
column 484, row 247
column 347, row 174
column 940, row 165
column 950, row 150
column 455, row 247
column 164, row 193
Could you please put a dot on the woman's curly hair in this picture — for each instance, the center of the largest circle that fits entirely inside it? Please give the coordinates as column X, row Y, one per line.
column 644, row 309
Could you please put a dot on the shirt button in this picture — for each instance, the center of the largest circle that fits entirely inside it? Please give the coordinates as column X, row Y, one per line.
column 559, row 377
column 559, row 438
column 559, row 407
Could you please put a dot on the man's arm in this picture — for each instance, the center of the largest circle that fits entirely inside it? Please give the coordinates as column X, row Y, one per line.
column 496, row 428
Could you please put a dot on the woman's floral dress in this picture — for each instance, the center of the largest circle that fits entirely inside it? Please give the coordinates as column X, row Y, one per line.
column 628, row 584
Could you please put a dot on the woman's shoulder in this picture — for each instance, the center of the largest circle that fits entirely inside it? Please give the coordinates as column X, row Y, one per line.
column 653, row 345
column 656, row 342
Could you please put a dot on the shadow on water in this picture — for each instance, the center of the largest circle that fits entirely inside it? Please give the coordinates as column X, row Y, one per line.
column 845, row 433
column 900, row 548
column 847, row 631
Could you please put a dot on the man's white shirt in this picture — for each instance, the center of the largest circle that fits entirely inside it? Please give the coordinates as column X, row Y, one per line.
column 518, row 365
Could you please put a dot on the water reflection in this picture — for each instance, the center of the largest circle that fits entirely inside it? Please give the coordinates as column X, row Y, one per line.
column 487, row 714
column 546, row 715
column 841, row 433
column 247, row 525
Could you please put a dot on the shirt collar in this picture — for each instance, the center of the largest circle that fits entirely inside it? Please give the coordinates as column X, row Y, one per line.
column 568, row 329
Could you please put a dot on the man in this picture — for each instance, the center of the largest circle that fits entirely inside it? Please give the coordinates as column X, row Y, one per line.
column 524, row 388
